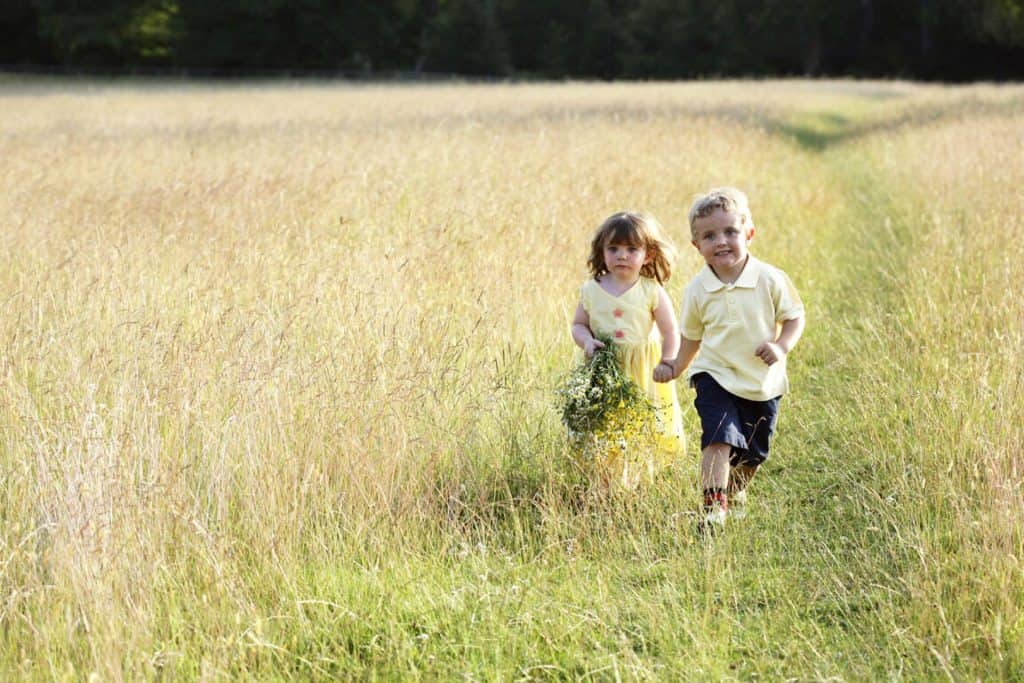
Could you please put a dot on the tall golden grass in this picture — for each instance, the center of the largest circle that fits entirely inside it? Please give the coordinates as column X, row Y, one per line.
column 278, row 365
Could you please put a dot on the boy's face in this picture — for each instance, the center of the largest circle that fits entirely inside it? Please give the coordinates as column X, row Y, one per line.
column 722, row 239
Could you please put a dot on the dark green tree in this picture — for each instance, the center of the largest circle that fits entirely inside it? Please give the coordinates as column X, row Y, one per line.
column 99, row 32
column 465, row 38
column 25, row 43
column 295, row 34
column 602, row 42
column 932, row 39
column 1003, row 21
column 668, row 39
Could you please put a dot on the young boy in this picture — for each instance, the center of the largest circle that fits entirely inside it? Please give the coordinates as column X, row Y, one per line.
column 744, row 316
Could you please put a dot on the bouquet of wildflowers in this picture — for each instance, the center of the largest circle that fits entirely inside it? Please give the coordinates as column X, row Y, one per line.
column 601, row 406
column 610, row 419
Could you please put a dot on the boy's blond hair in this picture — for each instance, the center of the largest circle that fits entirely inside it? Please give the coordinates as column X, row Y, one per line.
column 724, row 198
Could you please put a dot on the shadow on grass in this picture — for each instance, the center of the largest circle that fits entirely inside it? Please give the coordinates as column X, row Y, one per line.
column 534, row 499
column 820, row 130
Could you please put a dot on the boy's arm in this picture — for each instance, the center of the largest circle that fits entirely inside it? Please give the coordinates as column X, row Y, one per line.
column 772, row 351
column 689, row 319
column 581, row 333
column 665, row 318
column 688, row 349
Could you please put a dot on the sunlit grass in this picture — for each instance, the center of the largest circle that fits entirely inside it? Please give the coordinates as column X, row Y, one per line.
column 279, row 366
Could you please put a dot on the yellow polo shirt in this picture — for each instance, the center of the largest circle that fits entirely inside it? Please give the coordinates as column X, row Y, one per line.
column 731, row 321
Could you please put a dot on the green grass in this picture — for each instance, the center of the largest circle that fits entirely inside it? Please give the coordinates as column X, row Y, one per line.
column 277, row 432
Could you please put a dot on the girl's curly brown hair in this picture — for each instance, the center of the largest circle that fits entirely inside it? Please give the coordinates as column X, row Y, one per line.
column 635, row 229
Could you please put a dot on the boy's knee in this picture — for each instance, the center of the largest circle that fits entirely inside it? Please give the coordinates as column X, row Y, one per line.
column 747, row 459
column 718, row 448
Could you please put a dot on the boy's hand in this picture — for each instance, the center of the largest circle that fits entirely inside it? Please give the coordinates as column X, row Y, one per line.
column 590, row 346
column 664, row 372
column 770, row 352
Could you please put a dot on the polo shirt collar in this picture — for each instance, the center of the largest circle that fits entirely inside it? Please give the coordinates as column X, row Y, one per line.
column 748, row 278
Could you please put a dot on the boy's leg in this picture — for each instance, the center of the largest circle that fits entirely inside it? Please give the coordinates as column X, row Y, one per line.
column 721, row 436
column 760, row 417
column 739, row 477
column 714, row 466
column 736, row 493
column 714, row 477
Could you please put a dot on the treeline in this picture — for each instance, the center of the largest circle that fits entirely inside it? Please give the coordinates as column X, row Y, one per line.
column 928, row 39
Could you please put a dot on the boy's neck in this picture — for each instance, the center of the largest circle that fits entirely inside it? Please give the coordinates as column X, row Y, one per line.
column 733, row 275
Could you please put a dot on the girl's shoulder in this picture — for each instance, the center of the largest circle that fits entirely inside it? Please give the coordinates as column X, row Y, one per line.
column 589, row 293
column 650, row 284
column 589, row 286
column 650, row 289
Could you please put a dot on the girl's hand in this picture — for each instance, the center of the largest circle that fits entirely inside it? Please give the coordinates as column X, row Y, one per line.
column 664, row 372
column 770, row 352
column 590, row 346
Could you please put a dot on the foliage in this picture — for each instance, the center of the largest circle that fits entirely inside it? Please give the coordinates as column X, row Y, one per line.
column 464, row 37
column 946, row 39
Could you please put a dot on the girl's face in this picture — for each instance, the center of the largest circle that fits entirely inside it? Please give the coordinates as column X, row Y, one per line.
column 624, row 261
column 722, row 239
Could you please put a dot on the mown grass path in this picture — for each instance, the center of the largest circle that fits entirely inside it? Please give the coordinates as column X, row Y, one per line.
column 874, row 530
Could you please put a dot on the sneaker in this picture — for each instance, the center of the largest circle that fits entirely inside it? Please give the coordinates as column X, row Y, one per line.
column 712, row 523
column 738, row 505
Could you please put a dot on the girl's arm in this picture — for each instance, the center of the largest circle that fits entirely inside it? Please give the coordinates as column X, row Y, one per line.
column 581, row 333
column 665, row 318
column 774, row 351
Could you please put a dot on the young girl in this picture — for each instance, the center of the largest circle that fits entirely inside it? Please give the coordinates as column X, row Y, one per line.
column 630, row 259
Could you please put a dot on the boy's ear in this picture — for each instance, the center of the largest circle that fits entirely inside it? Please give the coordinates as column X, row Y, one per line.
column 750, row 232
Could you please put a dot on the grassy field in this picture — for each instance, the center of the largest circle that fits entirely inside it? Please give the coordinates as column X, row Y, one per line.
column 278, row 368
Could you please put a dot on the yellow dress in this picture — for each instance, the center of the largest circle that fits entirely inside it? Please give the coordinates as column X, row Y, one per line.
column 628, row 319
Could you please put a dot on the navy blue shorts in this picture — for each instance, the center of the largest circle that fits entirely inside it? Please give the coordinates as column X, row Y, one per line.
column 745, row 425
